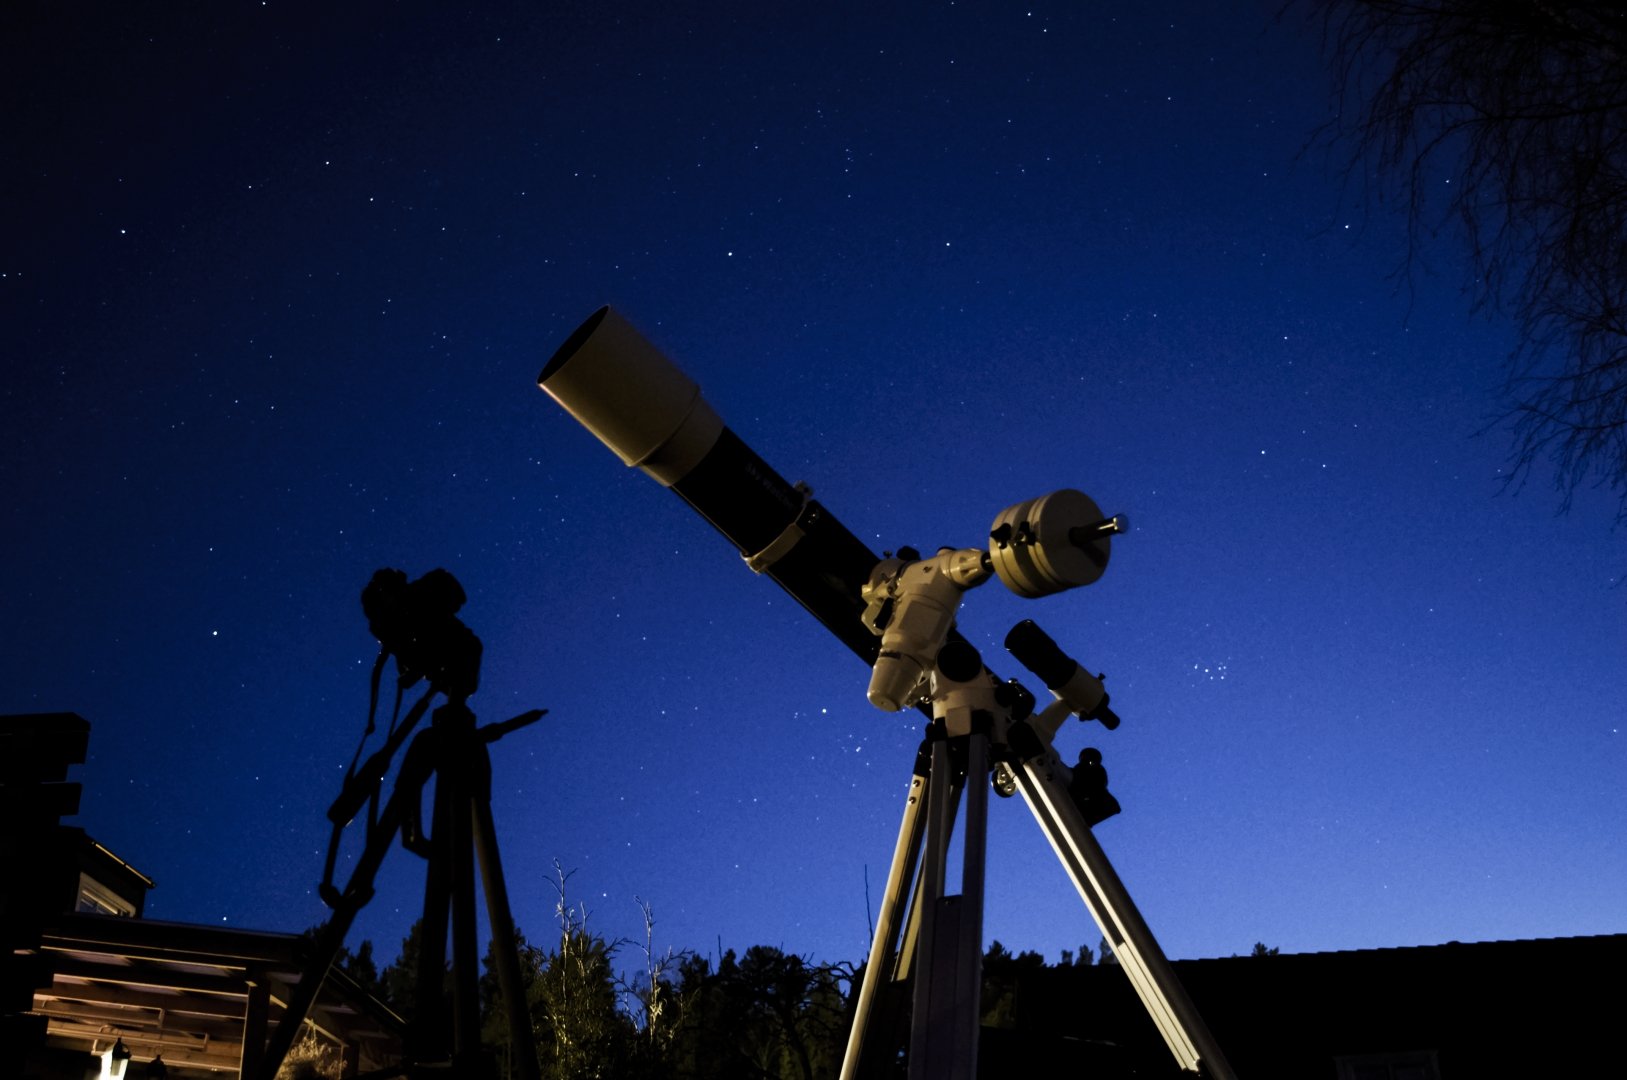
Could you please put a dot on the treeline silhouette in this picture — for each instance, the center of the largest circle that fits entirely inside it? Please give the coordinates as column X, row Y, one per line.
column 764, row 1013
column 603, row 1008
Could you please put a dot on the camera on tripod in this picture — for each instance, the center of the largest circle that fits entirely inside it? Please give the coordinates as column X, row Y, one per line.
column 417, row 623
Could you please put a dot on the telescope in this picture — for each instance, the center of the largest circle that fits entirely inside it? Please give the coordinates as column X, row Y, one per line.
column 898, row 615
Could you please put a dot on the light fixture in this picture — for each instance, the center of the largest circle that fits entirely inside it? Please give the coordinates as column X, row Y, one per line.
column 115, row 1061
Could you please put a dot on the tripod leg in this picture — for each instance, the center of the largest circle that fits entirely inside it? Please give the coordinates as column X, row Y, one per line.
column 879, row 968
column 948, row 971
column 427, row 1034
column 323, row 953
column 465, row 939
column 1134, row 946
column 913, row 933
column 522, row 1041
column 969, row 958
column 332, row 938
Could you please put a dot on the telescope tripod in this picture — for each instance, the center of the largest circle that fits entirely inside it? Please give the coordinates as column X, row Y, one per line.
column 941, row 946
column 462, row 833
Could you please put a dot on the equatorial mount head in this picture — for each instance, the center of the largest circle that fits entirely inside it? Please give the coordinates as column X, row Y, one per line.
column 911, row 606
column 1038, row 547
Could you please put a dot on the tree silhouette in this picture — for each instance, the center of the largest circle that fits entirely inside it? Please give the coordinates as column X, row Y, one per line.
column 396, row 983
column 1001, row 973
column 494, row 1029
column 361, row 967
column 1084, row 959
column 656, row 1003
column 1511, row 120
column 766, row 1015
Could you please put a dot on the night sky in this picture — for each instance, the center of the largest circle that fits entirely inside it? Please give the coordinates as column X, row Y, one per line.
column 276, row 281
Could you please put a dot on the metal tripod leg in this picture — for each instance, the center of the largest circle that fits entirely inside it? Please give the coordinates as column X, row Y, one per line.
column 428, row 1038
column 945, row 1015
column 943, row 938
column 881, row 967
column 465, row 940
column 1134, row 947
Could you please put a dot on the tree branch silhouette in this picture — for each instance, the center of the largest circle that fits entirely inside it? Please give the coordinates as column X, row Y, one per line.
column 1507, row 122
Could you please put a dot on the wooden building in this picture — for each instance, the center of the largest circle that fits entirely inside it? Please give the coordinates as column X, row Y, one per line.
column 88, row 986
column 201, row 998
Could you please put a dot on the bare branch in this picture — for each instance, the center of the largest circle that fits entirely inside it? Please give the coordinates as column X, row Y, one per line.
column 1507, row 121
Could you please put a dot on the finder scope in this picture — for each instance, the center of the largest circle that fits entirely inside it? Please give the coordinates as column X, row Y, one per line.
column 1064, row 676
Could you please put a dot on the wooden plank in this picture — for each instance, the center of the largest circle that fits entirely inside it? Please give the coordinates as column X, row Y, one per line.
column 154, row 1022
column 152, row 976
column 180, row 1004
column 255, row 1029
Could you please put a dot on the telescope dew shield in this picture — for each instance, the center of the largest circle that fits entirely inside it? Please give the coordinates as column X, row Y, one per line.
column 644, row 408
column 635, row 400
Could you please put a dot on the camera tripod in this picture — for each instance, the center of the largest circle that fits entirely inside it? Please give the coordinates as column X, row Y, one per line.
column 462, row 834
column 416, row 623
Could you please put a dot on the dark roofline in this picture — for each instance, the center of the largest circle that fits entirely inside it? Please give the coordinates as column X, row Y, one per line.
column 1504, row 944
column 93, row 842
column 223, row 945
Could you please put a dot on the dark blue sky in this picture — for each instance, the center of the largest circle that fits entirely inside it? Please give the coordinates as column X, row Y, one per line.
column 275, row 284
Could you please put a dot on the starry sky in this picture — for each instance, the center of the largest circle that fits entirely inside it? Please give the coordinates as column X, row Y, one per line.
column 276, row 280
